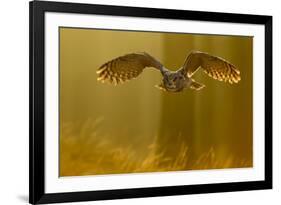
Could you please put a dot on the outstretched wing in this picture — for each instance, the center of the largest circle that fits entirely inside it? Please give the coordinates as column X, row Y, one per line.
column 215, row 67
column 126, row 67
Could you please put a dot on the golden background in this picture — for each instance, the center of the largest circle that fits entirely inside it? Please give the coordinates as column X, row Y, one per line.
column 134, row 127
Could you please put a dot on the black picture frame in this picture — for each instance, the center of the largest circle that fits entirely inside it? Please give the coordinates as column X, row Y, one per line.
column 37, row 194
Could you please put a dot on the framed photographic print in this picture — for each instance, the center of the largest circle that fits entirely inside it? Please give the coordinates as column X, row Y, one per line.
column 140, row 102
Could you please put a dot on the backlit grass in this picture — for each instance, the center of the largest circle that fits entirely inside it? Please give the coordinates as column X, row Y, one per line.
column 85, row 152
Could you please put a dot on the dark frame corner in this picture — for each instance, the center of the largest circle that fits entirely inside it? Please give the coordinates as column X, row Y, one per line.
column 37, row 10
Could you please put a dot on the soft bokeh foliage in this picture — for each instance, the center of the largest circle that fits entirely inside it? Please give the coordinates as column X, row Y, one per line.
column 84, row 153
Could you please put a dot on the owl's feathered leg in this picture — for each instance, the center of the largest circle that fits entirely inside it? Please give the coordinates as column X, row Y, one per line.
column 161, row 87
column 195, row 85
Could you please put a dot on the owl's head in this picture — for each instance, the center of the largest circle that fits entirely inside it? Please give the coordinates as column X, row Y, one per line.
column 172, row 81
column 168, row 81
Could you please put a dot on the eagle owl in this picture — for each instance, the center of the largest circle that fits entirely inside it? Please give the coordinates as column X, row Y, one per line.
column 130, row 66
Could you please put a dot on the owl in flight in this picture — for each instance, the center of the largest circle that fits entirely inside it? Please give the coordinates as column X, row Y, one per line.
column 130, row 66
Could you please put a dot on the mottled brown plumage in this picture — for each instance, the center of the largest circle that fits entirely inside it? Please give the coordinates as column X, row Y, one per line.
column 126, row 67
column 215, row 67
column 129, row 66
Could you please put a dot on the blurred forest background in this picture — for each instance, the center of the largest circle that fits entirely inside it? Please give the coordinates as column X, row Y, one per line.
column 134, row 127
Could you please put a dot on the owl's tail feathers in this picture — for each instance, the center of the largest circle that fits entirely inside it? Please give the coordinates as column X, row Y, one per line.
column 196, row 86
column 161, row 87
